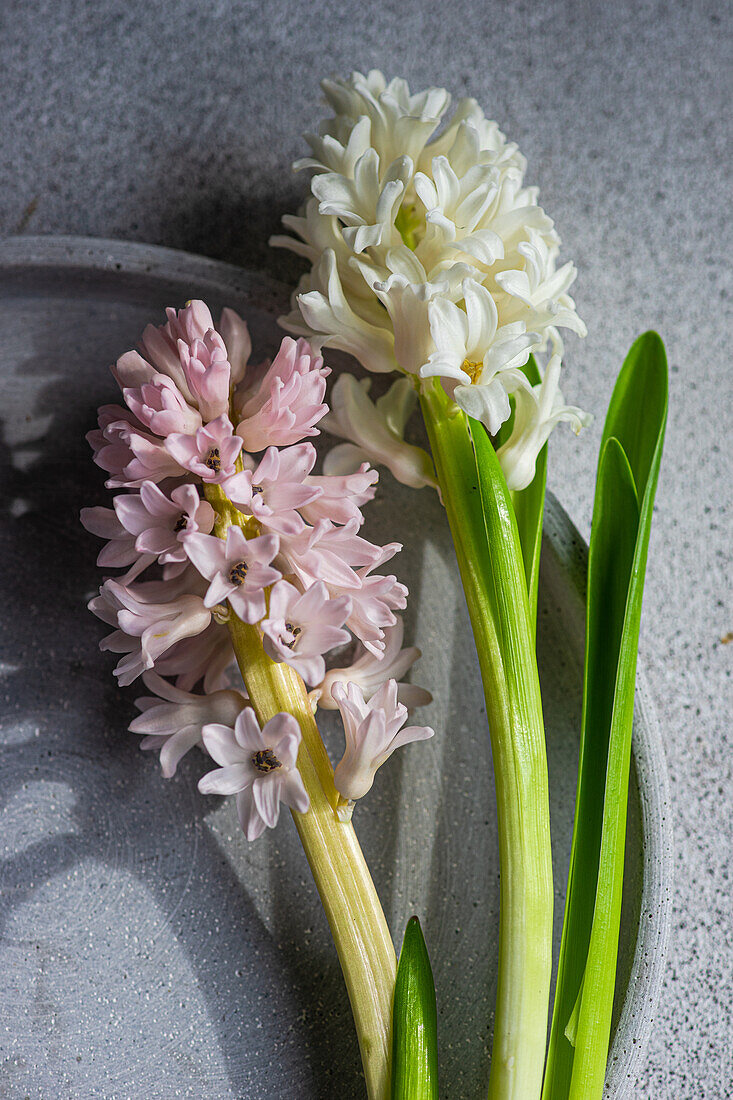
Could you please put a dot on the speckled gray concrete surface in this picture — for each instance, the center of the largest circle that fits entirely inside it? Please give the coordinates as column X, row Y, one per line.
column 176, row 122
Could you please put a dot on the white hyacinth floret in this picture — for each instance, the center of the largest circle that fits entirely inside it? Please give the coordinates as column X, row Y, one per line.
column 430, row 257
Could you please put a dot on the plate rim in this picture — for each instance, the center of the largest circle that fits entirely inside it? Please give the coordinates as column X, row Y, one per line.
column 24, row 253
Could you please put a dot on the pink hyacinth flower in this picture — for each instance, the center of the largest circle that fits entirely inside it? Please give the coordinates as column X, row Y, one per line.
column 188, row 582
column 300, row 628
column 145, row 630
column 208, row 373
column 171, row 721
column 259, row 766
column 159, row 347
column 98, row 440
column 160, row 524
column 119, row 550
column 341, row 498
column 374, row 600
column 331, row 554
column 210, row 453
column 373, row 731
column 159, row 343
column 161, row 407
column 275, row 489
column 159, row 625
column 168, row 349
column 209, row 657
column 288, row 403
column 235, row 334
column 239, row 569
column 369, row 671
column 132, row 371
column 127, row 453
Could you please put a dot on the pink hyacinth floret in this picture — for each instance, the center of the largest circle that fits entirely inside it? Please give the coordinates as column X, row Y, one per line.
column 193, row 354
column 161, row 407
column 238, row 568
column 259, row 766
column 160, row 343
column 291, row 561
column 207, row 658
column 127, row 453
column 288, row 403
column 369, row 671
column 275, row 490
column 373, row 731
column 374, row 600
column 145, row 629
column 148, row 526
column 341, row 498
column 161, row 524
column 330, row 553
column 171, row 721
column 301, row 627
column 210, row 453
column 207, row 373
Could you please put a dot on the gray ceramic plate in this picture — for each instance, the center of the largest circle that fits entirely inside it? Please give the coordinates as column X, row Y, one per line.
column 147, row 950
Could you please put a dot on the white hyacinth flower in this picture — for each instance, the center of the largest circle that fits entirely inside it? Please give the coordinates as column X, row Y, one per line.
column 479, row 363
column 375, row 431
column 538, row 409
column 429, row 255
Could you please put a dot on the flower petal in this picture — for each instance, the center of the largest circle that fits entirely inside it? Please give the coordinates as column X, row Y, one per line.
column 227, row 780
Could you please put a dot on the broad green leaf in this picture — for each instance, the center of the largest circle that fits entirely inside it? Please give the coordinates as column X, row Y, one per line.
column 609, row 569
column 415, row 1022
column 628, row 470
column 506, row 569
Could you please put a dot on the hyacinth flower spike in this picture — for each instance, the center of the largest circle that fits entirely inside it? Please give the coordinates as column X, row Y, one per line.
column 264, row 573
column 430, row 258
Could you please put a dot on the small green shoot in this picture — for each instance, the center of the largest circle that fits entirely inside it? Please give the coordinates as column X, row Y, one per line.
column 415, row 1022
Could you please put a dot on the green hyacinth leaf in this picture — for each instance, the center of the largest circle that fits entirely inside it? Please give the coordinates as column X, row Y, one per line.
column 628, row 470
column 415, row 1022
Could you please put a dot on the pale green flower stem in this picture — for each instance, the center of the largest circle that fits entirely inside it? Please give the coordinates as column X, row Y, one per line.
column 349, row 898
column 492, row 572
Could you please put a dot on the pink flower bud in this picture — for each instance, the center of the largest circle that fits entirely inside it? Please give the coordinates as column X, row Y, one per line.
column 288, row 403
column 160, row 406
column 207, row 371
column 373, row 732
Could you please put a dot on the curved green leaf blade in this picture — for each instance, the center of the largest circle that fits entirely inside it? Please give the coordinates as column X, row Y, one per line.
column 415, row 1022
column 609, row 569
column 637, row 411
column 529, row 508
column 628, row 470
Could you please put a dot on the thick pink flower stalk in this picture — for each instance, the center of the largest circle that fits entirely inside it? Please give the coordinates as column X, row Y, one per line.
column 218, row 495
